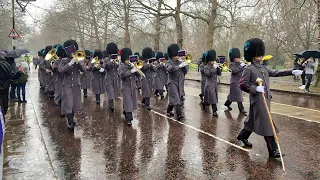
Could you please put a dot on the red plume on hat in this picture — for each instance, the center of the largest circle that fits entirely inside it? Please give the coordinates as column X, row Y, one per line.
column 120, row 52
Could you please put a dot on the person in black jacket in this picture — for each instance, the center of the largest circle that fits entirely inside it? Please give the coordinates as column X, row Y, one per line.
column 7, row 75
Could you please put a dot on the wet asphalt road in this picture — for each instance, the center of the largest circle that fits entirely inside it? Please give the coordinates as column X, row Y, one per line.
column 38, row 145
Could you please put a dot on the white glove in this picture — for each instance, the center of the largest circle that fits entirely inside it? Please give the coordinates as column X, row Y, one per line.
column 81, row 73
column 180, row 59
column 72, row 62
column 133, row 70
column 297, row 72
column 96, row 66
column 101, row 70
column 260, row 89
column 242, row 64
column 215, row 66
column 182, row 65
column 111, row 60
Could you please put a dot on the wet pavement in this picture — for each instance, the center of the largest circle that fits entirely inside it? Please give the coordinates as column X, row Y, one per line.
column 38, row 145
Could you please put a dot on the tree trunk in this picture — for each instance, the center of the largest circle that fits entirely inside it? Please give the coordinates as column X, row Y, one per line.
column 179, row 25
column 157, row 35
column 126, row 25
column 95, row 26
column 318, row 24
column 105, row 39
column 211, row 25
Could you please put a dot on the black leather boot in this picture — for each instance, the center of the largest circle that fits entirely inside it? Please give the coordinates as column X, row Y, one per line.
column 214, row 110
column 227, row 104
column 147, row 103
column 70, row 121
column 111, row 105
column 241, row 108
column 179, row 112
column 169, row 111
column 98, row 98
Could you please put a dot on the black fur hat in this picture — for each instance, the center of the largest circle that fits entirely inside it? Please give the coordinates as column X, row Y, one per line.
column 39, row 53
column 105, row 54
column 112, row 48
column 60, row 52
column 125, row 53
column 97, row 52
column 234, row 53
column 69, row 43
column 147, row 53
column 166, row 56
column 173, row 50
column 253, row 48
column 159, row 55
column 137, row 53
column 88, row 53
column 46, row 50
column 203, row 57
column 211, row 55
column 42, row 52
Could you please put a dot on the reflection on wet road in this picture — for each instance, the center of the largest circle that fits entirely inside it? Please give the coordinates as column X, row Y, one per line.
column 155, row 147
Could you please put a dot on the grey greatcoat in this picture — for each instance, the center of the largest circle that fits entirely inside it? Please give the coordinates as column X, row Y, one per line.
column 71, row 91
column 258, row 120
column 97, row 80
column 235, row 94
column 85, row 78
column 211, row 87
column 129, row 87
column 58, row 82
column 111, row 79
column 176, row 81
column 203, row 78
column 160, row 78
column 41, row 73
column 147, row 81
column 49, row 77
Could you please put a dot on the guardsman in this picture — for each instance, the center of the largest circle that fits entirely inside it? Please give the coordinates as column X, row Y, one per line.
column 160, row 79
column 87, row 75
column 98, row 75
column 147, row 81
column 46, row 67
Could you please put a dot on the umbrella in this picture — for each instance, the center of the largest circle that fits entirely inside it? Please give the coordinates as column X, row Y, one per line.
column 17, row 52
column 311, row 53
column 299, row 54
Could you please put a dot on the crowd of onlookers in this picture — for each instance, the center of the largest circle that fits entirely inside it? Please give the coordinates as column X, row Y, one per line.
column 14, row 73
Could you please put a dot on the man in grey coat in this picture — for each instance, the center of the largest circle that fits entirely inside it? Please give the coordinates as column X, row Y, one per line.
column 85, row 78
column 258, row 121
column 98, row 75
column 46, row 67
column 59, row 78
column 71, row 90
column 236, row 68
column 111, row 65
column 211, row 73
column 177, row 70
column 147, row 81
column 128, row 75
column 160, row 78
column 309, row 65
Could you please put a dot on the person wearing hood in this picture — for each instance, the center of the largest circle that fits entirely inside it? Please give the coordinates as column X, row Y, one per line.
column 128, row 75
column 176, row 69
column 98, row 75
column 211, row 72
column 111, row 65
column 258, row 119
column 236, row 68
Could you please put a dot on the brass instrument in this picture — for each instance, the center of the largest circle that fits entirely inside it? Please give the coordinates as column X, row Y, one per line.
column 52, row 55
column 187, row 58
column 79, row 55
column 246, row 62
column 135, row 65
column 96, row 61
column 154, row 63
column 224, row 67
column 267, row 57
column 139, row 64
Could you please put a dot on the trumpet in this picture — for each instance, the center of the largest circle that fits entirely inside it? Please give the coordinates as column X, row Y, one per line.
column 52, row 55
column 187, row 58
column 224, row 67
column 79, row 55
column 96, row 61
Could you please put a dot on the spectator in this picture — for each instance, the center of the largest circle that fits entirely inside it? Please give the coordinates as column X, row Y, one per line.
column 21, row 82
column 309, row 70
column 12, row 63
column 6, row 76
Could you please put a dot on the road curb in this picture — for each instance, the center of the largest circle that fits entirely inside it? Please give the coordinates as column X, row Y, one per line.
column 274, row 90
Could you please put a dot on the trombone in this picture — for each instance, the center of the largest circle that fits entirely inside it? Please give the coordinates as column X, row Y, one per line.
column 135, row 65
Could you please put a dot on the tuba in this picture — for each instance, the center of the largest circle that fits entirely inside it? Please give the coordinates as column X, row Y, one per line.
column 52, row 55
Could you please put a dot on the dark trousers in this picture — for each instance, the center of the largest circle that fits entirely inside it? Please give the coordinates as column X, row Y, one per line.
column 214, row 107
column 70, row 118
column 21, row 87
column 270, row 141
column 240, row 104
column 4, row 101
column 85, row 92
column 178, row 109
column 129, row 116
column 303, row 78
column 98, row 97
column 13, row 91
column 111, row 103
column 309, row 80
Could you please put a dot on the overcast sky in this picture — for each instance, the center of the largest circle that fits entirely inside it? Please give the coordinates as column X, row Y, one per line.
column 36, row 12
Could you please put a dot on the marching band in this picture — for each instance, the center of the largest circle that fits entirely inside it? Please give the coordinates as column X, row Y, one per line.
column 64, row 70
